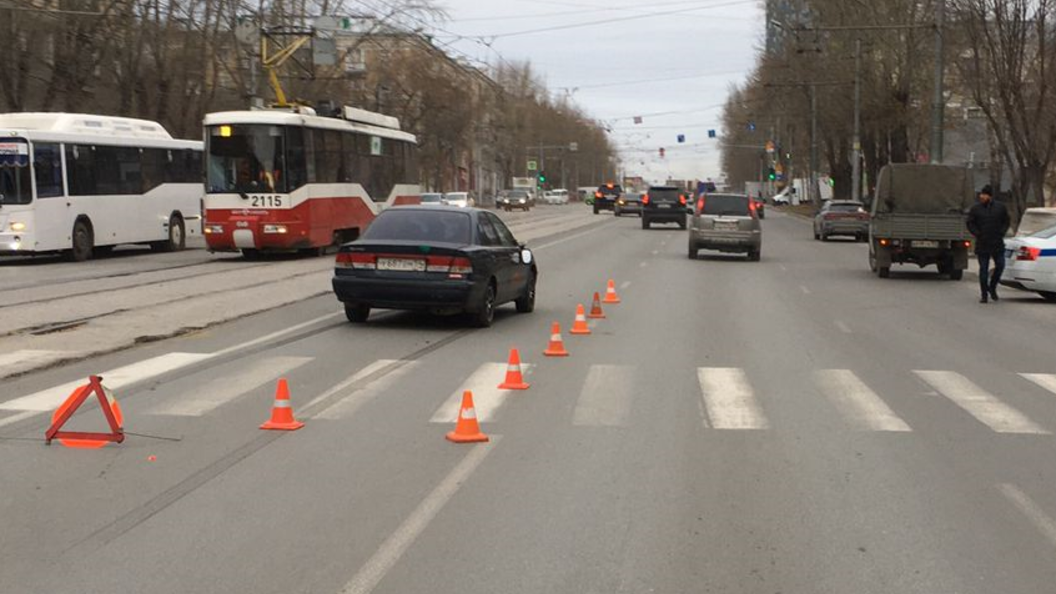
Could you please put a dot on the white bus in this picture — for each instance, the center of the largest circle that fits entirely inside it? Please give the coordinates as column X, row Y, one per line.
column 81, row 184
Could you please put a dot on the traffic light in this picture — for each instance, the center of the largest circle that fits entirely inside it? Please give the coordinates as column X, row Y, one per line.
column 542, row 178
column 771, row 174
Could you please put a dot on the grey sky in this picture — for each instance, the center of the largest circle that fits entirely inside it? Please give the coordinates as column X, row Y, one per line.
column 702, row 46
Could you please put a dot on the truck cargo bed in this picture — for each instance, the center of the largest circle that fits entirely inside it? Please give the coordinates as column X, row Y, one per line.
column 919, row 226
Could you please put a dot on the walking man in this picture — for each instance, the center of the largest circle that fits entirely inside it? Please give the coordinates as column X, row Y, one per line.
column 988, row 221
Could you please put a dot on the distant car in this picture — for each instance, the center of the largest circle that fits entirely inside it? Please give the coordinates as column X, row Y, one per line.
column 606, row 196
column 841, row 217
column 438, row 259
column 555, row 197
column 519, row 199
column 432, row 199
column 727, row 223
column 629, row 203
column 459, row 199
column 586, row 195
column 664, row 204
column 1031, row 263
column 784, row 197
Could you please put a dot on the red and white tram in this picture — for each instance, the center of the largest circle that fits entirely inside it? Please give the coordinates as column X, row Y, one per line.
column 284, row 180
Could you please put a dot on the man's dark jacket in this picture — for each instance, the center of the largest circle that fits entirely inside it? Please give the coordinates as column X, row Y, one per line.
column 989, row 223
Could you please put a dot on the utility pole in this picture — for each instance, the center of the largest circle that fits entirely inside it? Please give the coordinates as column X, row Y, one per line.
column 938, row 106
column 856, row 167
column 813, row 143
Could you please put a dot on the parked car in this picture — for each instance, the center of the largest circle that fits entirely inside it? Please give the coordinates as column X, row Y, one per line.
column 1031, row 263
column 727, row 223
column 432, row 198
column 784, row 197
column 460, row 199
column 586, row 195
column 841, row 217
column 606, row 196
column 440, row 259
column 555, row 197
column 519, row 199
column 629, row 203
column 663, row 204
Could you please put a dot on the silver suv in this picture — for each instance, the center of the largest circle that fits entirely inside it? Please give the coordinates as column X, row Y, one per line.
column 727, row 223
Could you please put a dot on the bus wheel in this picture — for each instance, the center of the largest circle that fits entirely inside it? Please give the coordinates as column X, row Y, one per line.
column 177, row 238
column 82, row 242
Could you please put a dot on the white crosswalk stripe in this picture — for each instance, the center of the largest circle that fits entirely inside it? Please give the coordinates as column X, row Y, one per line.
column 25, row 356
column 606, row 397
column 862, row 408
column 115, row 379
column 361, row 394
column 1044, row 380
column 979, row 403
column 222, row 390
column 729, row 399
column 487, row 397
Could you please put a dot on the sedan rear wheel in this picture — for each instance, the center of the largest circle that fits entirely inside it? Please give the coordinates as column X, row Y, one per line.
column 485, row 314
column 357, row 314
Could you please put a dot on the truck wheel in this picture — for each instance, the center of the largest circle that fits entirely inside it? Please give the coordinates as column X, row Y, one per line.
column 884, row 271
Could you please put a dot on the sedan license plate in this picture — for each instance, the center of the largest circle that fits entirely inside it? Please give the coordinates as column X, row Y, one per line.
column 401, row 264
column 923, row 243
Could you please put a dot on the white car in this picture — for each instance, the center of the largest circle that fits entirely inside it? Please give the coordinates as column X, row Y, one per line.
column 460, row 199
column 1030, row 263
column 557, row 197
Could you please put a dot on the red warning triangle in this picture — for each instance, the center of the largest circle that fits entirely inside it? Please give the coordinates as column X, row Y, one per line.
column 81, row 439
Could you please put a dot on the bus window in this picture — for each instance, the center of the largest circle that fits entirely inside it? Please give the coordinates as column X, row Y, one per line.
column 80, row 173
column 15, row 185
column 47, row 169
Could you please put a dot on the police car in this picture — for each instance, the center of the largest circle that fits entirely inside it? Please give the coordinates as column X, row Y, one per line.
column 1031, row 263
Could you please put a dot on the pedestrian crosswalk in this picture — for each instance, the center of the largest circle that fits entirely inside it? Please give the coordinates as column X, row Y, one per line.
column 613, row 395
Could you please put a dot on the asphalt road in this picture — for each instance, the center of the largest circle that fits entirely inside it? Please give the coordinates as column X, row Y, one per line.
column 790, row 426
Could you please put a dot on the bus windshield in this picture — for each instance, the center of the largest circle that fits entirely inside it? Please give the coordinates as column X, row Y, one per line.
column 247, row 158
column 15, row 183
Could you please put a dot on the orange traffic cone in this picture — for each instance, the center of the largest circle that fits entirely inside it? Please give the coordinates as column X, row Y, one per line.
column 610, row 293
column 556, row 348
column 514, row 378
column 467, row 430
column 595, row 309
column 282, row 414
column 580, row 325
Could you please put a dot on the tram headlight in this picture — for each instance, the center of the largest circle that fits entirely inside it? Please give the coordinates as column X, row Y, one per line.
column 18, row 226
column 275, row 229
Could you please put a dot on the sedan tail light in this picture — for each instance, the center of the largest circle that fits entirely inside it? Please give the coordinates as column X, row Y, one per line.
column 453, row 266
column 1027, row 253
column 357, row 261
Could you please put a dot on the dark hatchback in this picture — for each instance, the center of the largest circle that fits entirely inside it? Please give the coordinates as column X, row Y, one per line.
column 436, row 259
column 664, row 204
column 606, row 196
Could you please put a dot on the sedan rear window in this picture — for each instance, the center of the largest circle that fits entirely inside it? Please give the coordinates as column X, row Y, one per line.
column 420, row 225
column 663, row 194
column 726, row 205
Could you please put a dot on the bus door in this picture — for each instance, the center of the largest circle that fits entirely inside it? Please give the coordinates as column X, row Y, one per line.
column 52, row 212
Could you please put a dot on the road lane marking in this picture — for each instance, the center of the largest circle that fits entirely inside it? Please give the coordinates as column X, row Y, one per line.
column 1042, row 521
column 1043, row 380
column 274, row 335
column 860, row 406
column 979, row 403
column 221, row 390
column 115, row 379
column 606, row 397
column 656, row 252
column 390, row 551
column 624, row 285
column 362, row 394
column 25, row 356
column 729, row 399
column 643, row 264
column 805, row 290
column 843, row 327
column 569, row 238
column 487, row 397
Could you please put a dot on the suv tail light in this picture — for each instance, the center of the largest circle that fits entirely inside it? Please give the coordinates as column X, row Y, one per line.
column 357, row 261
column 700, row 204
column 682, row 199
column 645, row 199
column 597, row 194
column 752, row 209
column 1028, row 253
